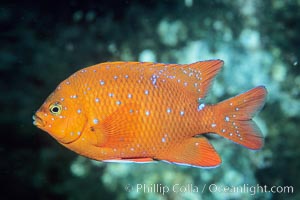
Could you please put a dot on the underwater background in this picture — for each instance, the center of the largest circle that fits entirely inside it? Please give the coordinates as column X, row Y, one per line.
column 42, row 43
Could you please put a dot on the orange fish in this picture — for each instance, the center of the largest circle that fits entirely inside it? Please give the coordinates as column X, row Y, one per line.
column 142, row 111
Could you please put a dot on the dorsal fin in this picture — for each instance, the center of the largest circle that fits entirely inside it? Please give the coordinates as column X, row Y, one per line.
column 194, row 78
column 208, row 70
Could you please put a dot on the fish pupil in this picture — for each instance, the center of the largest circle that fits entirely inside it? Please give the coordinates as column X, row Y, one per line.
column 55, row 109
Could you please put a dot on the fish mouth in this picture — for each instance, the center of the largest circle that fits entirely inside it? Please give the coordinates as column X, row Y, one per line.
column 37, row 121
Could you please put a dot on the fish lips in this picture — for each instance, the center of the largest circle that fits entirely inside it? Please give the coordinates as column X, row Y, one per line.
column 37, row 121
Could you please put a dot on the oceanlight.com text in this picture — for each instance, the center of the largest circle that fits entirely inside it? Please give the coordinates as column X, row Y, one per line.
column 251, row 189
column 213, row 188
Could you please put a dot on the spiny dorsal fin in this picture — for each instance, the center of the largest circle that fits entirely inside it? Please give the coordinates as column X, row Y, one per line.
column 194, row 78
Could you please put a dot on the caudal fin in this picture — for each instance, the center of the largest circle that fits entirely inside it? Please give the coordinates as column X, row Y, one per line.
column 235, row 118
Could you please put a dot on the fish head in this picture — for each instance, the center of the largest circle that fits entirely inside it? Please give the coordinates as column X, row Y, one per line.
column 61, row 116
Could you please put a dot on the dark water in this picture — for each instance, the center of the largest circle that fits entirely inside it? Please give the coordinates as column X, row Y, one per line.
column 43, row 43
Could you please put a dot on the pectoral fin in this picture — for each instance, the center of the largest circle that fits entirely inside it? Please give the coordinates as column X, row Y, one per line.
column 118, row 129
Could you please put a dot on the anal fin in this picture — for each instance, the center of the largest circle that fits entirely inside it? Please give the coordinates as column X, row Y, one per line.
column 197, row 152
column 131, row 160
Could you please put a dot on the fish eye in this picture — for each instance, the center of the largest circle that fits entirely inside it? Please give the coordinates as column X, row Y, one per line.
column 55, row 108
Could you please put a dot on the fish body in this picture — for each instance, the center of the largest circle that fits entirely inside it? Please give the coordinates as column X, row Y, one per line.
column 141, row 112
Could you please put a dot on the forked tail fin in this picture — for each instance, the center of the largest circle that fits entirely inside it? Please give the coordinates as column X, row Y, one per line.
column 235, row 118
